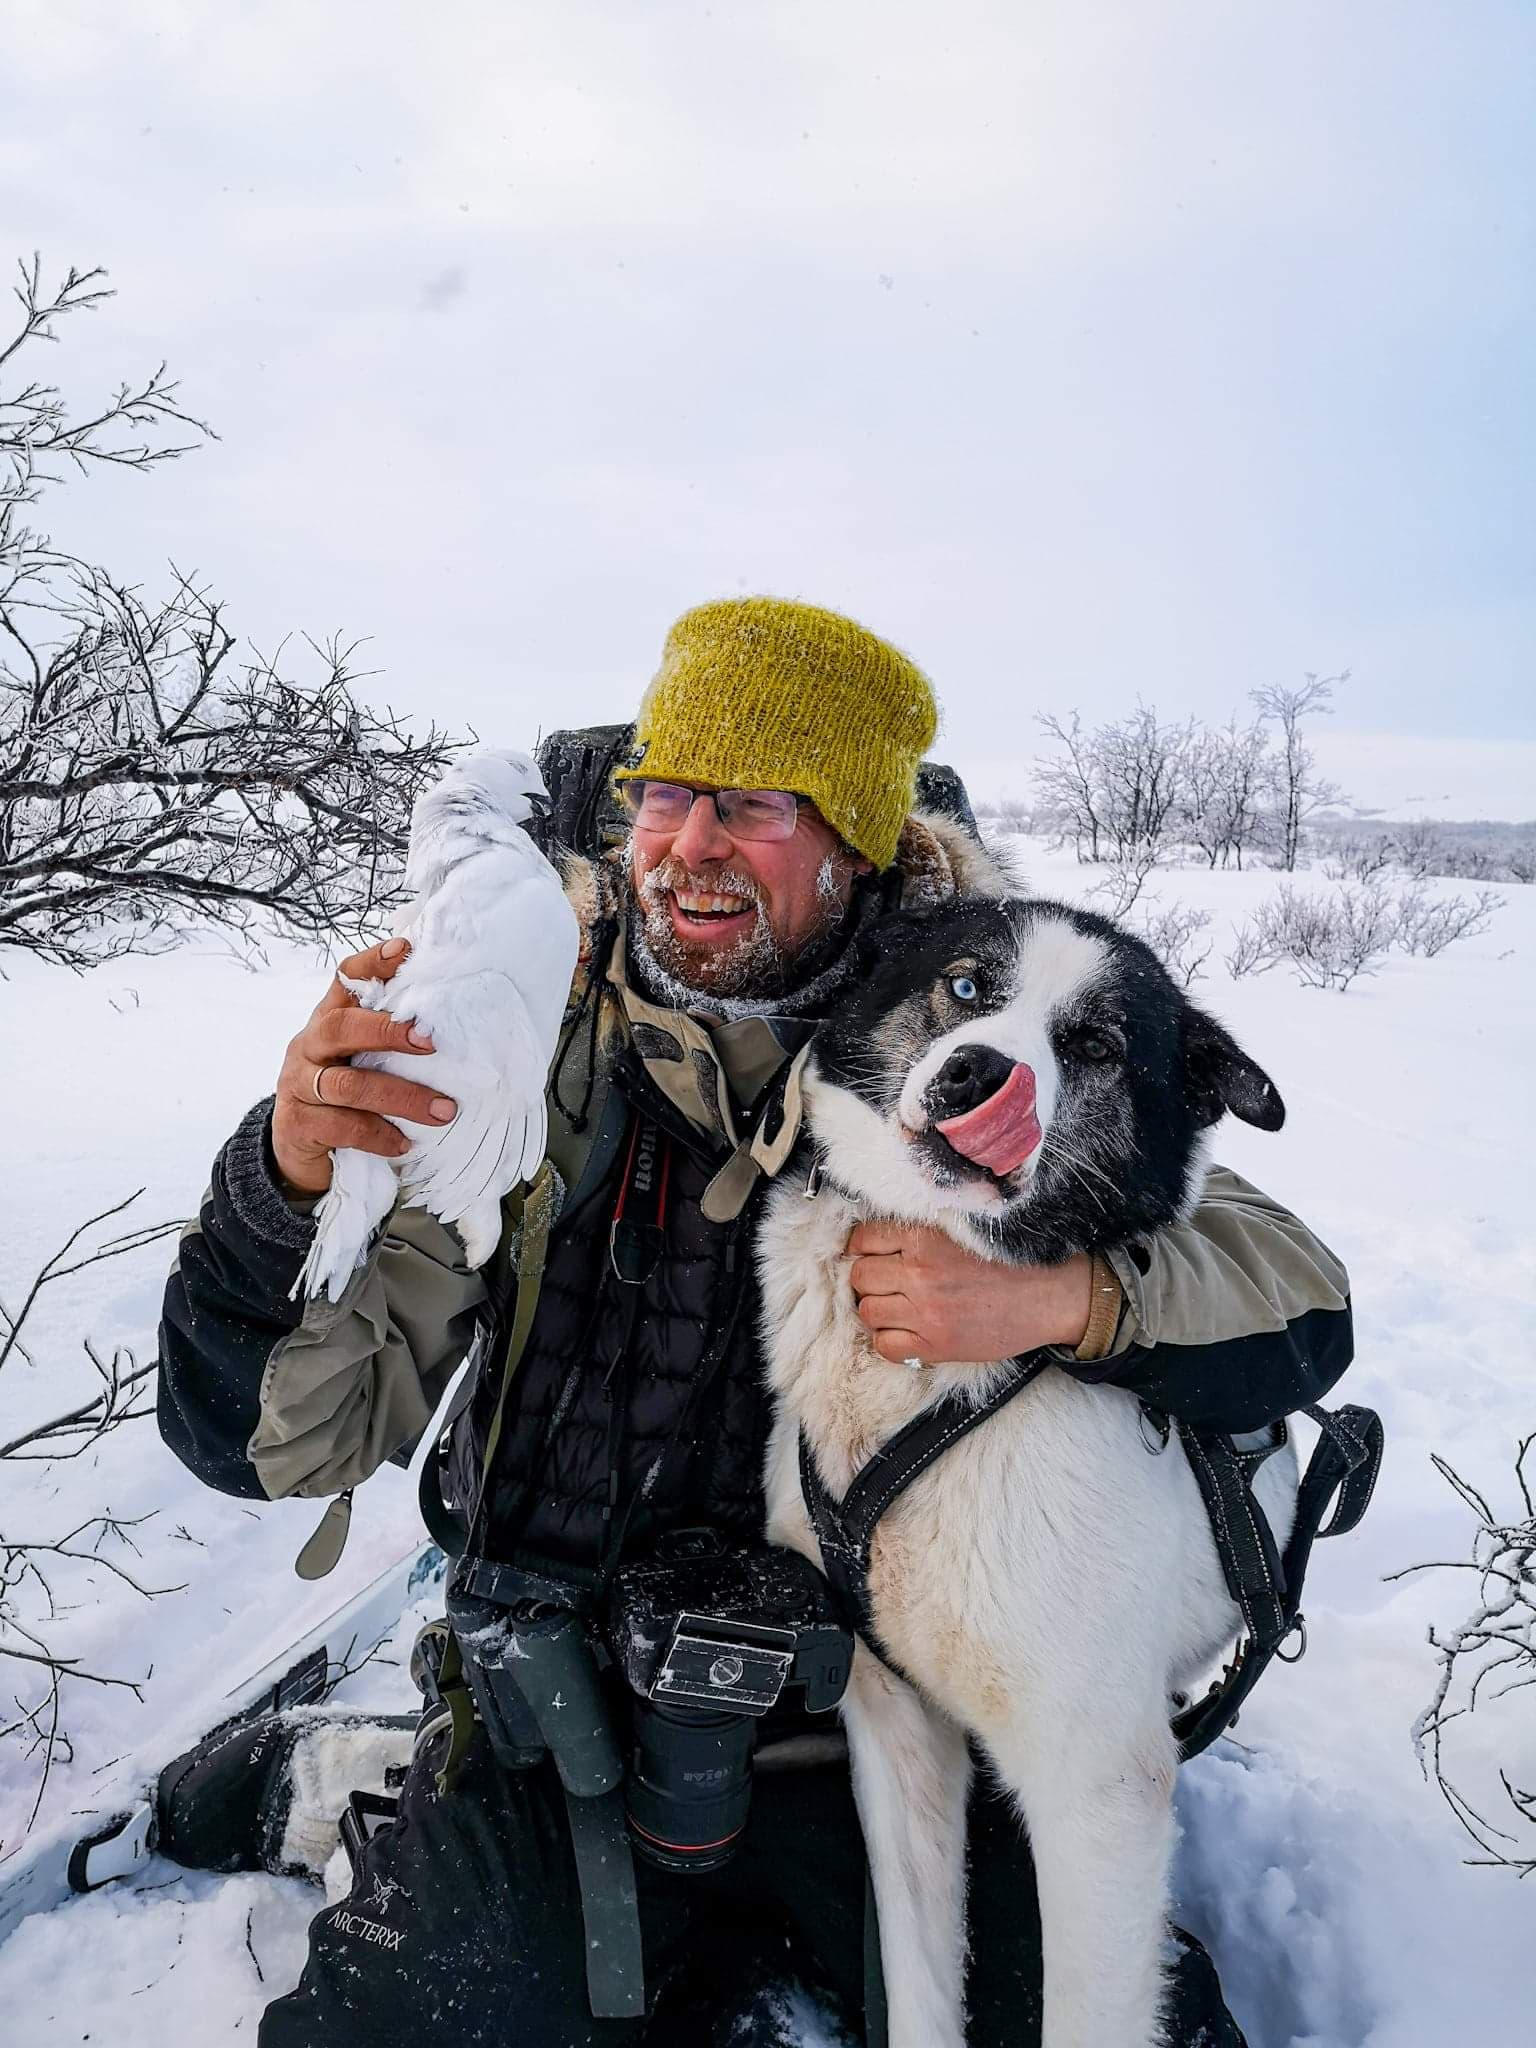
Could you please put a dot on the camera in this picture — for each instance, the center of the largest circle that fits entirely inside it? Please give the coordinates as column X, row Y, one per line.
column 710, row 1637
column 707, row 1637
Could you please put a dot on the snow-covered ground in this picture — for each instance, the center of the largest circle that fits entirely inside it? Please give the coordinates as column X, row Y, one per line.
column 1327, row 1876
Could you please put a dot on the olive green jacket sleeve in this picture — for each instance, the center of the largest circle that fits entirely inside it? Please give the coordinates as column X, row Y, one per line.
column 358, row 1379
column 1231, row 1319
column 266, row 1395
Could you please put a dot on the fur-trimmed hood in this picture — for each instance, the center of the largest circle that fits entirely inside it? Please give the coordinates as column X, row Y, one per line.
column 937, row 859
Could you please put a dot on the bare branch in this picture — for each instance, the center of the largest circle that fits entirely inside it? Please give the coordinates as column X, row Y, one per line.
column 1497, row 1636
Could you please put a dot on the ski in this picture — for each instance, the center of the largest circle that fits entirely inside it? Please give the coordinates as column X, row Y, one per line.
column 90, row 1850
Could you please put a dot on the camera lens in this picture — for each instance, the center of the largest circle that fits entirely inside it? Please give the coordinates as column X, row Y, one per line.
column 690, row 1785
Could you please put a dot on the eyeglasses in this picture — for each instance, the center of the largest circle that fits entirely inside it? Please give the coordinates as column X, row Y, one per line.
column 745, row 813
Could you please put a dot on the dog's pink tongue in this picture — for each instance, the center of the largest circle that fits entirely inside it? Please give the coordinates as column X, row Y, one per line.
column 1001, row 1132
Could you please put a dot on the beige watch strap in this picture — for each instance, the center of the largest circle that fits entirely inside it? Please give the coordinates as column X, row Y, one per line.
column 1106, row 1301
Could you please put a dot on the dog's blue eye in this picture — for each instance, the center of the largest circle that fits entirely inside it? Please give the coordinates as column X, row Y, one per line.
column 963, row 989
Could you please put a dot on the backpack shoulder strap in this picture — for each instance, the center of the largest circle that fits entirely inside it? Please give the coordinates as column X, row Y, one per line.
column 533, row 1211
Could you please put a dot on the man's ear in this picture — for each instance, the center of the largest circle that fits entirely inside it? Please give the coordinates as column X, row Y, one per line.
column 1219, row 1076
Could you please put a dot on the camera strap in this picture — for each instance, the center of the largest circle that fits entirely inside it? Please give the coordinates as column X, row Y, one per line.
column 634, row 1248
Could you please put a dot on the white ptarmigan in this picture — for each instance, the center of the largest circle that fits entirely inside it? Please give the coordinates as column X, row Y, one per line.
column 493, row 949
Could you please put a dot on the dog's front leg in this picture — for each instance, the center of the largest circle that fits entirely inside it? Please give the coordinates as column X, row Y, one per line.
column 911, row 1778
column 1100, row 1822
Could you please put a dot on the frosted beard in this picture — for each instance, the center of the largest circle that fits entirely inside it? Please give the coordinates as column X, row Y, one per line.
column 752, row 968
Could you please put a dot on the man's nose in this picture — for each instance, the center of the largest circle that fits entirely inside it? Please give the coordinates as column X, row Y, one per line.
column 701, row 837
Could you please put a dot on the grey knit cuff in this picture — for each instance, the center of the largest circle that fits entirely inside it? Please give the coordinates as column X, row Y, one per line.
column 255, row 1193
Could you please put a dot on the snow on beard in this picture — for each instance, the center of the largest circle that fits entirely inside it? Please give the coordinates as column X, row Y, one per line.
column 752, row 965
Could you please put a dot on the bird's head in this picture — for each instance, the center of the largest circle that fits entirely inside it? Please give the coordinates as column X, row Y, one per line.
column 483, row 799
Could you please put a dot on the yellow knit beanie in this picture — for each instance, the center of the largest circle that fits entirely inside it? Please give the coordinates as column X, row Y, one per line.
column 764, row 693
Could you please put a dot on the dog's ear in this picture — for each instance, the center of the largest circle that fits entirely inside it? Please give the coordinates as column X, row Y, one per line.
column 1219, row 1076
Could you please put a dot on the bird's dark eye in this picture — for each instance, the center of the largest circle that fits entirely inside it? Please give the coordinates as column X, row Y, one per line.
column 963, row 989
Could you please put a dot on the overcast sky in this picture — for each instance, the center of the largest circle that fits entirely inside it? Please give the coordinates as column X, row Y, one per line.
column 1087, row 350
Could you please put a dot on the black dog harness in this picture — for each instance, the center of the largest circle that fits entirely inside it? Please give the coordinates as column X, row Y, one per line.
column 1265, row 1584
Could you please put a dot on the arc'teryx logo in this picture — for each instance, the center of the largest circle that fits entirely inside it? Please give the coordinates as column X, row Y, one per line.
column 384, row 1889
column 367, row 1930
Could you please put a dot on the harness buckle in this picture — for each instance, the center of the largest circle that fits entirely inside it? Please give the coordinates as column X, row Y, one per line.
column 1298, row 1628
column 1155, row 1429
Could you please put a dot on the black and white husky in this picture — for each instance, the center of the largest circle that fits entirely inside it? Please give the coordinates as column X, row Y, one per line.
column 1028, row 1078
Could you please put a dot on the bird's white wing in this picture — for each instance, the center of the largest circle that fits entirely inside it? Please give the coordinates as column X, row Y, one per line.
column 493, row 1063
column 487, row 979
column 493, row 949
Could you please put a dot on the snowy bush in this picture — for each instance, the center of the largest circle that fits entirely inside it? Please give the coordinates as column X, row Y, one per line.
column 1420, row 848
column 1009, row 814
column 1173, row 934
column 1354, row 859
column 1328, row 941
column 1427, row 924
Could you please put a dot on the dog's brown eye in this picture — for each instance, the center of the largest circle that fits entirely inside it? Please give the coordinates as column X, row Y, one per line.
column 1094, row 1048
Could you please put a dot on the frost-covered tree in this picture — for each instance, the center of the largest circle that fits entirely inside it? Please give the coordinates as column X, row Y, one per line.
column 1299, row 791
column 1117, row 790
column 1228, row 773
column 151, row 776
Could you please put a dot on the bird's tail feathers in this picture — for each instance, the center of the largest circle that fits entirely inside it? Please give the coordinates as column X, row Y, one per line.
column 361, row 1194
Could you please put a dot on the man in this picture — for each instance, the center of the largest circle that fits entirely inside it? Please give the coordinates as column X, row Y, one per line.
column 770, row 791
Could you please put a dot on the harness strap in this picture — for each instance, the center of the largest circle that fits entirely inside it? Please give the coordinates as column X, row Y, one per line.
column 1267, row 1588
column 1264, row 1584
column 1245, row 1543
column 845, row 1529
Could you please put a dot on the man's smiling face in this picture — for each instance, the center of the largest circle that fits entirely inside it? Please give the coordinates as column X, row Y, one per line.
column 740, row 917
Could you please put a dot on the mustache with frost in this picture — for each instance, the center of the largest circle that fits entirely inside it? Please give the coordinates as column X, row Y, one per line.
column 750, row 963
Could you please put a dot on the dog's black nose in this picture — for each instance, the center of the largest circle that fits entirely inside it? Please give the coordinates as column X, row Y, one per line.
column 970, row 1076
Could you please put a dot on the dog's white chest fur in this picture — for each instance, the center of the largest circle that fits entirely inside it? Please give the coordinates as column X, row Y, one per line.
column 1046, row 1584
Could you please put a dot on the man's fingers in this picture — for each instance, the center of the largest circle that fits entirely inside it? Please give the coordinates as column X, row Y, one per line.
column 879, row 1237
column 885, row 1312
column 376, row 963
column 880, row 1274
column 384, row 1094
column 337, row 1034
column 900, row 1345
column 354, row 1128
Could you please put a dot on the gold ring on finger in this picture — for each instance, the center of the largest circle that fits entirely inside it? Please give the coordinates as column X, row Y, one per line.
column 314, row 1085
